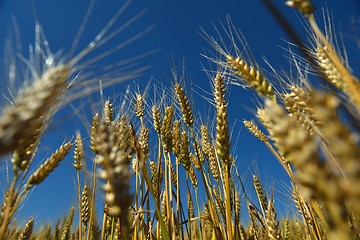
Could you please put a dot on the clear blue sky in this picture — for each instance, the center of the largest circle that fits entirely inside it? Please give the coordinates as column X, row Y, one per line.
column 176, row 36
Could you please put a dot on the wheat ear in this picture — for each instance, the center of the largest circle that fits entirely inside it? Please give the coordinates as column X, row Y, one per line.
column 254, row 78
column 32, row 109
column 48, row 166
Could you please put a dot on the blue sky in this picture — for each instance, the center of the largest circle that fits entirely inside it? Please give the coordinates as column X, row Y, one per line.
column 175, row 36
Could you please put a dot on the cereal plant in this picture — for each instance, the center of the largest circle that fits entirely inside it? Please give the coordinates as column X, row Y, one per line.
column 160, row 172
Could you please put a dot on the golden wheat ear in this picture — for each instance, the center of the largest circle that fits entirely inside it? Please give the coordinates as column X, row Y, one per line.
column 32, row 109
column 51, row 76
column 114, row 156
column 237, row 61
column 27, row 232
column 48, row 166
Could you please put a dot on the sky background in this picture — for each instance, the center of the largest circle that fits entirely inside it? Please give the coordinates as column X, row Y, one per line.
column 176, row 37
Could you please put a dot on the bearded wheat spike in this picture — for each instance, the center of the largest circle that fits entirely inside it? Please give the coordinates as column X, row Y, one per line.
column 199, row 152
column 172, row 172
column 191, row 212
column 153, row 167
column 114, row 151
column 329, row 69
column 298, row 98
column 220, row 205
column 255, row 131
column 94, row 132
column 25, row 153
column 190, row 206
column 49, row 165
column 85, row 205
column 222, row 127
column 134, row 165
column 236, row 208
column 67, row 225
column 194, row 159
column 155, row 179
column 50, row 78
column 302, row 208
column 260, row 193
column 30, row 112
column 28, row 229
column 164, row 208
column 254, row 78
column 297, row 103
column 184, row 151
column 210, row 153
column 78, row 152
column 108, row 112
column 193, row 177
column 316, row 179
column 166, row 127
column 156, row 118
column 208, row 222
column 272, row 224
column 8, row 205
column 286, row 232
column 184, row 105
column 139, row 106
column 292, row 141
column 205, row 141
column 342, row 144
column 144, row 141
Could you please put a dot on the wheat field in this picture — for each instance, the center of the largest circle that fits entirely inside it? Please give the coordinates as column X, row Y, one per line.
column 155, row 170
